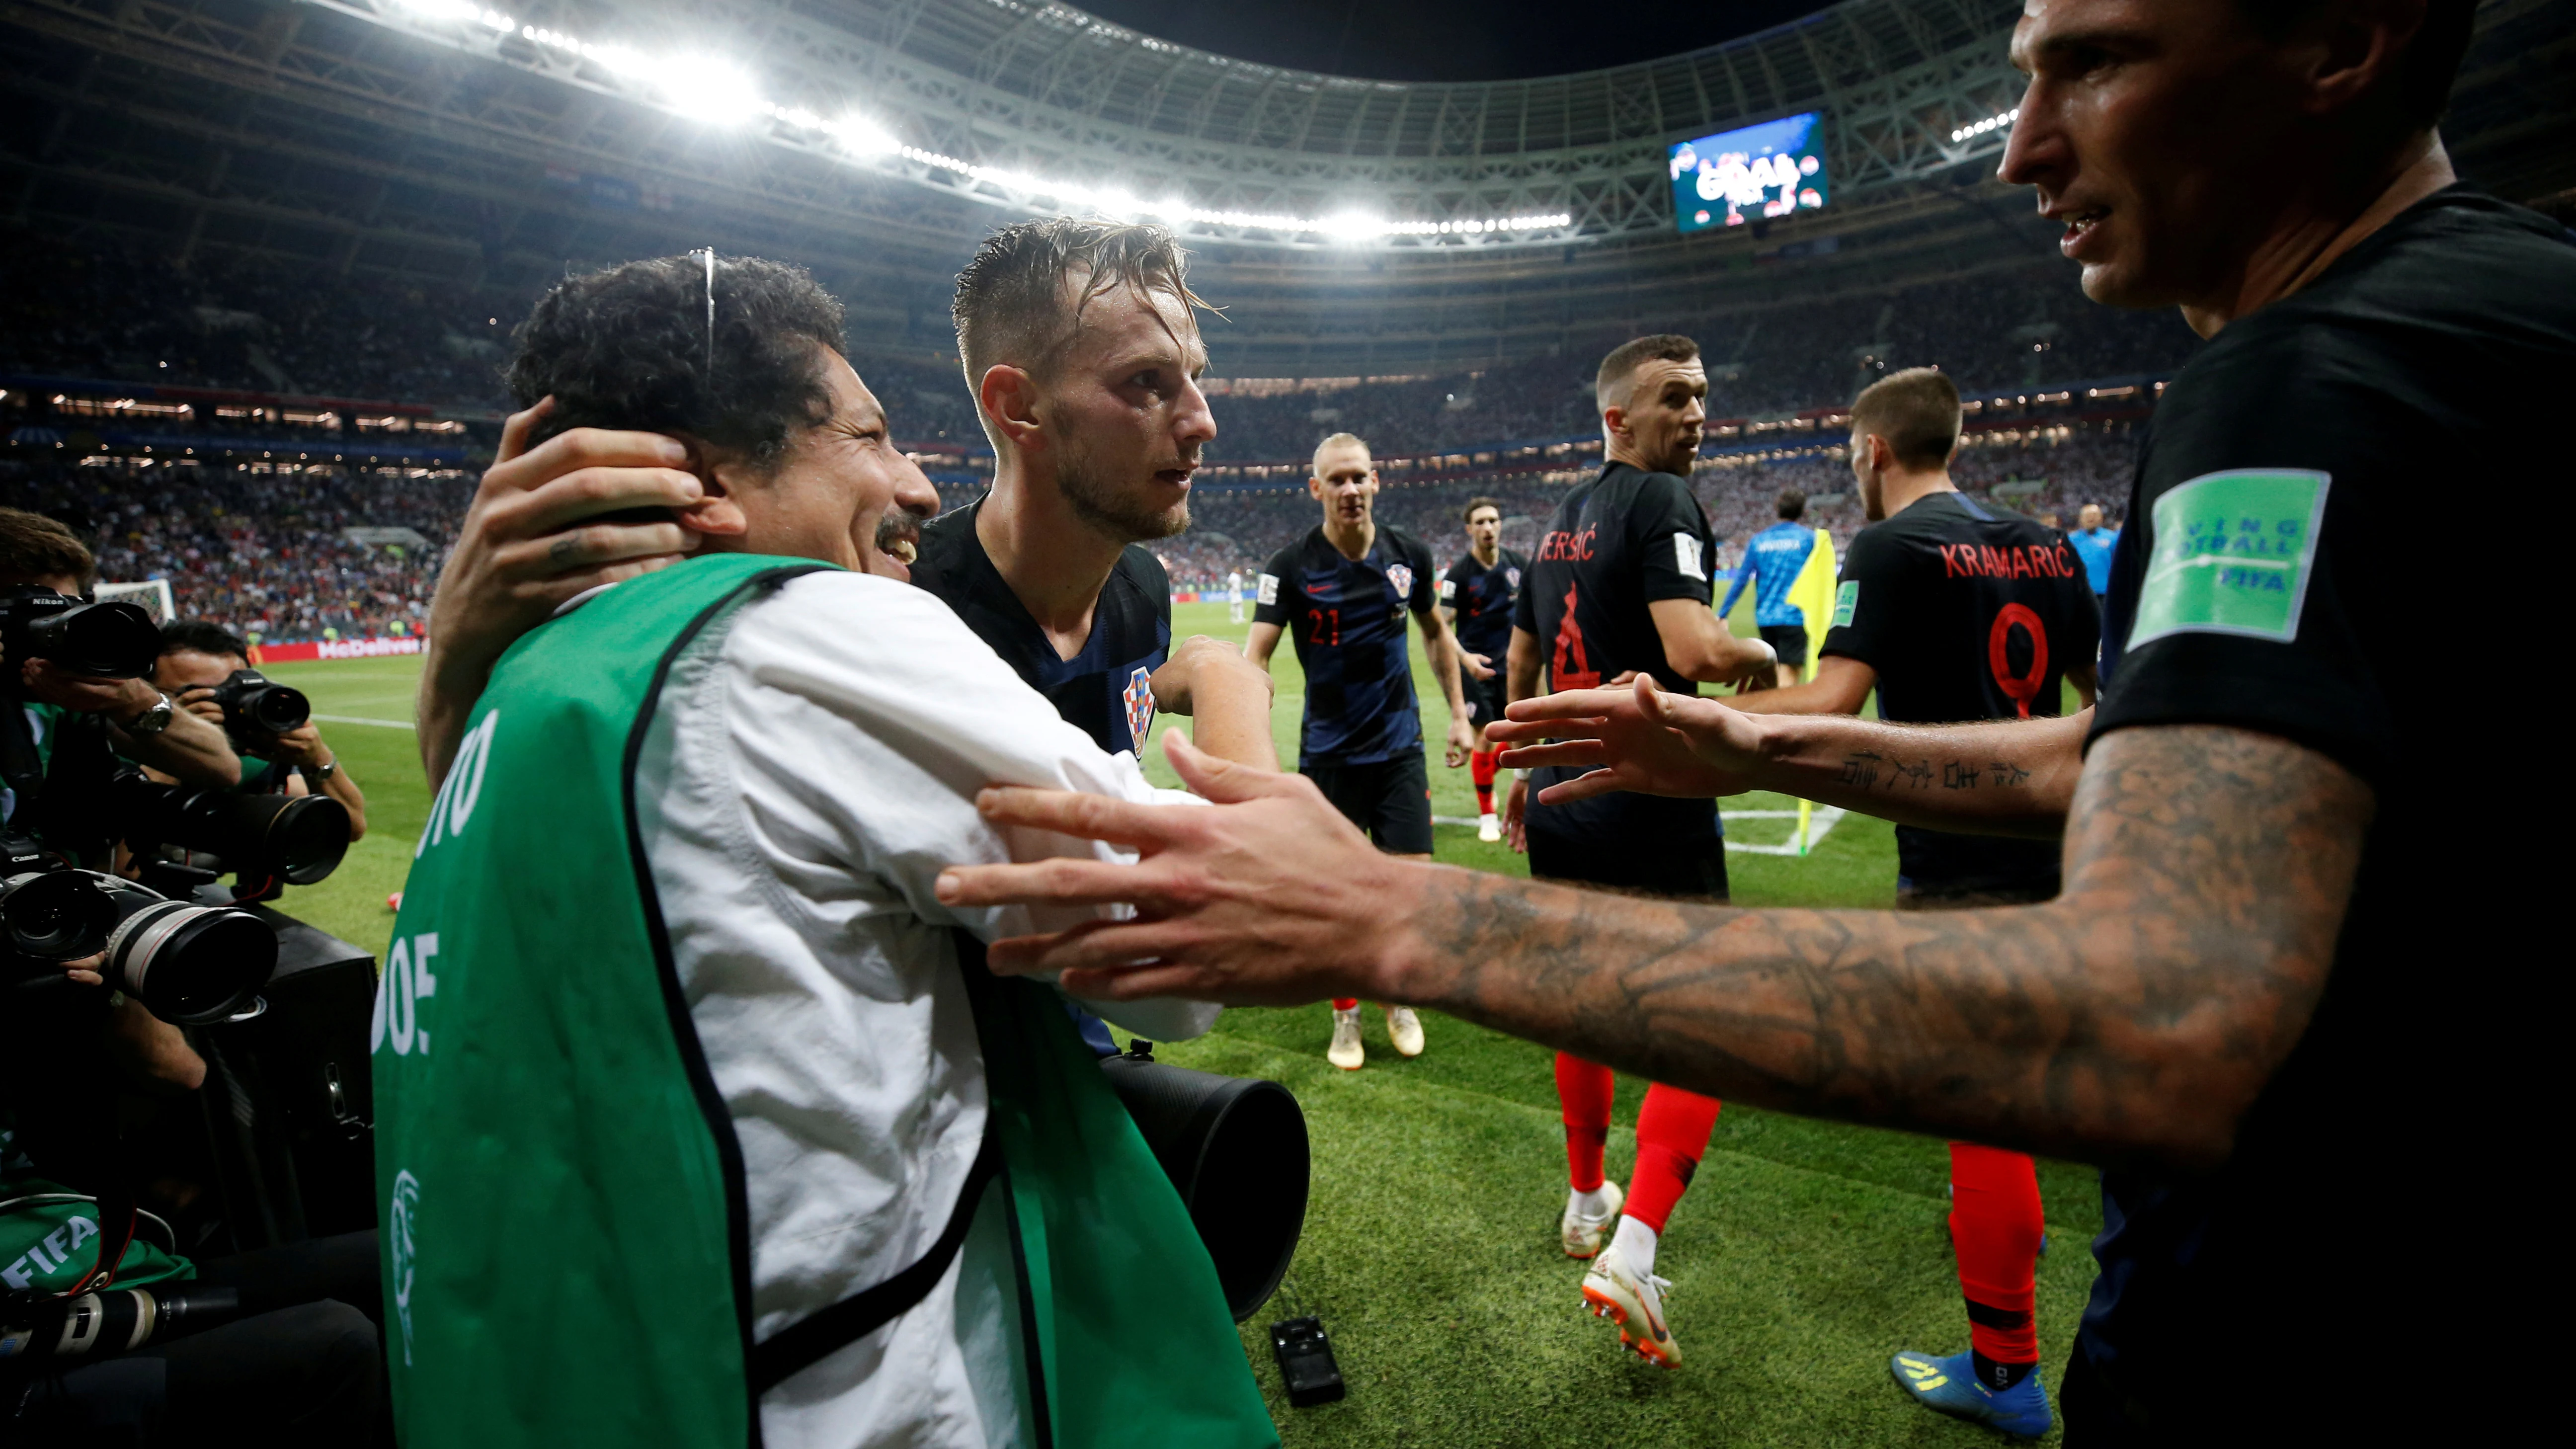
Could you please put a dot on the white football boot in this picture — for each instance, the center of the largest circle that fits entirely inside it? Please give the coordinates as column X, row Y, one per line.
column 1489, row 828
column 1636, row 1303
column 1582, row 1234
column 1346, row 1051
column 1406, row 1030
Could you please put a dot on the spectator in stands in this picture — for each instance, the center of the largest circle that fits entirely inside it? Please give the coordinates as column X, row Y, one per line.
column 197, row 656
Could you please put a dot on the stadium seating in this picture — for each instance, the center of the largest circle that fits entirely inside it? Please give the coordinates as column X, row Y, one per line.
column 248, row 524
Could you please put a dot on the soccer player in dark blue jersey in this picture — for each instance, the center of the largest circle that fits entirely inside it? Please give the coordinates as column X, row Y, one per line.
column 1773, row 559
column 1342, row 593
column 1476, row 597
column 1080, row 343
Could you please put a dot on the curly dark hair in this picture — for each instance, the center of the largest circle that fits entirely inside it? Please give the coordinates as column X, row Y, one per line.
column 632, row 347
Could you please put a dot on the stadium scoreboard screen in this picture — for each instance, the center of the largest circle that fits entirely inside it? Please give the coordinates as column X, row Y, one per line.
column 1759, row 171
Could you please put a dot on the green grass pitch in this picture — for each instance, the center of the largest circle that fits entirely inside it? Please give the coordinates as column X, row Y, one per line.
column 1803, row 1257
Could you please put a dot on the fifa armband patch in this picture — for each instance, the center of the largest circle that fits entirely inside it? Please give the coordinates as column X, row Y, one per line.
column 1686, row 555
column 2233, row 554
column 1267, row 590
column 1846, row 603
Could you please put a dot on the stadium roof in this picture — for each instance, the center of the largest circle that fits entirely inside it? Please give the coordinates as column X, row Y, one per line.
column 491, row 143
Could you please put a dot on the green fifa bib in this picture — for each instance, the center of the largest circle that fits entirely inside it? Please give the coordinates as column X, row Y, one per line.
column 567, row 1245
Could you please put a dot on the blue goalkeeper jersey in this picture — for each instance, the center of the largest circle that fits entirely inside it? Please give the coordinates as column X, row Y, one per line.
column 1774, row 557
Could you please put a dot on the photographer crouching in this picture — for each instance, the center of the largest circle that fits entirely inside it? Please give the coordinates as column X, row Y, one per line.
column 108, row 1335
column 207, row 670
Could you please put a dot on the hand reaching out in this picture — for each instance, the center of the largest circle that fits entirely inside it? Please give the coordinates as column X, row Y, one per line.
column 1640, row 739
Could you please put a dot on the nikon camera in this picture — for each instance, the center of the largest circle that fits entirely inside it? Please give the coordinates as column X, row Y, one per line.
column 114, row 640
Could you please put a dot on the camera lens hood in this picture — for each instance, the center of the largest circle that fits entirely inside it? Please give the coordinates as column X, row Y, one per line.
column 189, row 964
column 1236, row 1148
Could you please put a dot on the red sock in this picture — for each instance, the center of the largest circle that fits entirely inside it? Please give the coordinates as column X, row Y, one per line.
column 1345, row 1003
column 1480, row 765
column 1672, row 1134
column 1995, row 1225
column 1583, row 1092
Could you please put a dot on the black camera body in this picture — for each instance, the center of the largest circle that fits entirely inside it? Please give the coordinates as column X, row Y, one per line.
column 272, row 841
column 188, row 964
column 257, row 710
column 113, row 640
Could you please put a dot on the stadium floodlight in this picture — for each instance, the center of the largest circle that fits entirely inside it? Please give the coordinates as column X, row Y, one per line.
column 863, row 137
column 710, row 91
column 1979, row 128
column 720, row 93
column 460, row 13
column 1351, row 227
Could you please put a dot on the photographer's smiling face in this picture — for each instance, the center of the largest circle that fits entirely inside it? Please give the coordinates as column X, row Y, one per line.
column 842, row 492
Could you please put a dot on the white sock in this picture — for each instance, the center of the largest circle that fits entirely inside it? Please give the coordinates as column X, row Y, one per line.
column 1635, row 1246
column 1593, row 1204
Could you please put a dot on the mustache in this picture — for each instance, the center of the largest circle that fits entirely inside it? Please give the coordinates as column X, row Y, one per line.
column 897, row 527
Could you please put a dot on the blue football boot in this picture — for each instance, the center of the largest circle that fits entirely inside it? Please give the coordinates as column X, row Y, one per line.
column 1950, row 1385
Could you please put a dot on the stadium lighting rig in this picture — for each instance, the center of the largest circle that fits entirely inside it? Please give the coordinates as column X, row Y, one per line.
column 717, row 92
column 1994, row 122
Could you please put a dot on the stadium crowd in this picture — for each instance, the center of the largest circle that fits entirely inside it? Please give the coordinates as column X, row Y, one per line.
column 1234, row 529
column 263, row 553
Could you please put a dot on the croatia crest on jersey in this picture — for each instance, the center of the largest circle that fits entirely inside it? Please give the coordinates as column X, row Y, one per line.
column 1401, row 575
column 1512, row 578
column 1140, row 708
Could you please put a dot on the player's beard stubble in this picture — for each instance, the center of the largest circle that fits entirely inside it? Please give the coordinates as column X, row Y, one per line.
column 1097, row 499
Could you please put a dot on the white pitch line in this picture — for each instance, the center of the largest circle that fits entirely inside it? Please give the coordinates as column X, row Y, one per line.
column 391, row 724
column 1819, row 824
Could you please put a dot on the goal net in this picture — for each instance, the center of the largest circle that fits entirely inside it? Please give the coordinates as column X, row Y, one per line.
column 152, row 594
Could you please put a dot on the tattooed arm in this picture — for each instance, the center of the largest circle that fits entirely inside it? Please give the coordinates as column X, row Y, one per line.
column 2134, row 1019
column 2006, row 777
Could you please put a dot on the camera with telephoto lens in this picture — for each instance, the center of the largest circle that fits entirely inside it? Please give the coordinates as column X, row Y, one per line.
column 256, row 710
column 113, row 640
column 187, row 963
column 286, row 840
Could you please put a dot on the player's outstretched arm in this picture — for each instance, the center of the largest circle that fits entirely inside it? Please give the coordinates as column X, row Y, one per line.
column 1260, row 643
column 532, row 540
column 1698, row 645
column 1226, row 696
column 2133, row 1020
column 2007, row 777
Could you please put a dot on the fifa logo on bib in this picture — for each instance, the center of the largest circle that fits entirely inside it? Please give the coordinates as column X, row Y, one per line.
column 1140, row 707
column 1401, row 575
column 404, row 1222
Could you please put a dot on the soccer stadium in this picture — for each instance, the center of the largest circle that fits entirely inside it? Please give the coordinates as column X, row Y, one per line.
column 1713, row 354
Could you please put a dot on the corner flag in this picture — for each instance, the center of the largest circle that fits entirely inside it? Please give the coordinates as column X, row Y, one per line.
column 1813, row 595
